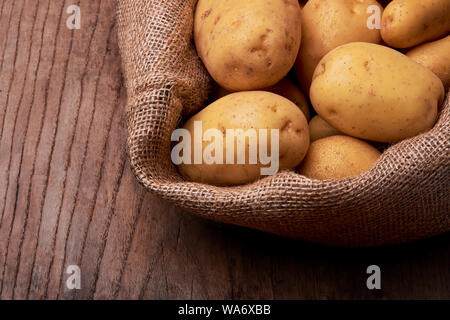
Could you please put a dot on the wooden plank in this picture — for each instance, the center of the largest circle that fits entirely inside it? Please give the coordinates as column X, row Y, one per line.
column 68, row 197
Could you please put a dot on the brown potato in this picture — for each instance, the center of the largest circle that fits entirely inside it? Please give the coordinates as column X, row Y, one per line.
column 436, row 57
column 248, row 110
column 375, row 93
column 327, row 25
column 338, row 157
column 407, row 23
column 250, row 44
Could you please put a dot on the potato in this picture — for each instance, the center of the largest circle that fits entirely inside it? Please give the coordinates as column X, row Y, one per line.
column 289, row 90
column 319, row 129
column 375, row 93
column 435, row 56
column 327, row 25
column 247, row 45
column 285, row 88
column 338, row 157
column 248, row 110
column 407, row 23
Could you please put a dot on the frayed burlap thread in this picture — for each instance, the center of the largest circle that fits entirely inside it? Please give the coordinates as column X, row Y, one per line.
column 405, row 197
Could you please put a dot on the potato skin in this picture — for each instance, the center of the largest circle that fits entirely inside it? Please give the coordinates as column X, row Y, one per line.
column 245, row 110
column 407, row 23
column 247, row 45
column 319, row 129
column 327, row 25
column 435, row 56
column 375, row 93
column 338, row 157
column 285, row 88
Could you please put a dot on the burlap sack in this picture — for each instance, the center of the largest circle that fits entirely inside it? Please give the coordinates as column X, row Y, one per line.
column 403, row 198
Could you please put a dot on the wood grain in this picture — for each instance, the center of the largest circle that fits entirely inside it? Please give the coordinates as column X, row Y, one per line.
column 68, row 197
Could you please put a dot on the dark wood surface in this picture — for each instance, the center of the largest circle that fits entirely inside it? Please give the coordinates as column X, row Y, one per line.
column 68, row 197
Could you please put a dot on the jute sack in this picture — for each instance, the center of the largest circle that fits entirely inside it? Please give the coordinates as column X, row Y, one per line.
column 403, row 198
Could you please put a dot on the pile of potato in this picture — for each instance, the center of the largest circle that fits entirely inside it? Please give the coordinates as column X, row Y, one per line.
column 367, row 85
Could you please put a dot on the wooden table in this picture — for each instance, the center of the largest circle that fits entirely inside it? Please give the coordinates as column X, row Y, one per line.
column 68, row 197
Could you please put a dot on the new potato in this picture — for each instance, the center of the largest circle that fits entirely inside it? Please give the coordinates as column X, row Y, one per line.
column 247, row 44
column 327, row 25
column 249, row 110
column 338, row 157
column 407, row 23
column 375, row 93
column 436, row 57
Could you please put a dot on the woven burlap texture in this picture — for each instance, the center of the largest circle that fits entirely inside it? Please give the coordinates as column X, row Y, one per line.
column 403, row 198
